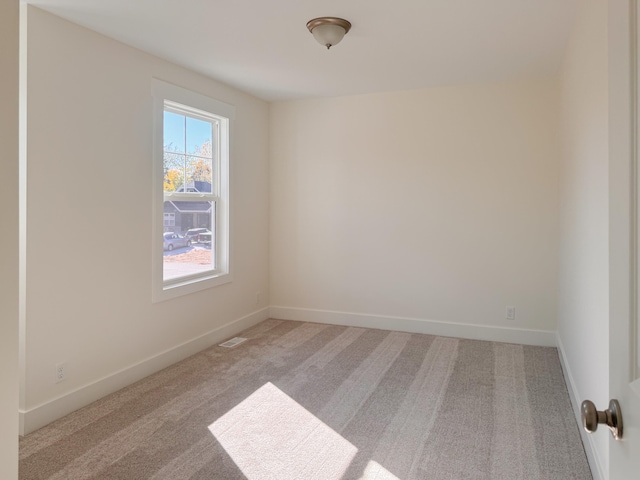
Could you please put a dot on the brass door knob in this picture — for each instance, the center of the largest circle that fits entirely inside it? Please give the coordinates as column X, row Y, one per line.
column 612, row 418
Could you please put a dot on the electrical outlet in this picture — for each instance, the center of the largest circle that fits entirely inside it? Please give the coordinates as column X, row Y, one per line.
column 61, row 372
column 257, row 298
column 511, row 313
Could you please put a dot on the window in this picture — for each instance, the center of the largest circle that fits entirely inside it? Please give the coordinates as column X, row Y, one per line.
column 191, row 191
column 169, row 220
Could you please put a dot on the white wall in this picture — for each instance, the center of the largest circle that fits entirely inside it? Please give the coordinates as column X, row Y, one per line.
column 9, row 241
column 88, row 277
column 427, row 205
column 583, row 301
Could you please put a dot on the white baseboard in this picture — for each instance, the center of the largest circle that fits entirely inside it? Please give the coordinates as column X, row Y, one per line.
column 43, row 414
column 587, row 440
column 545, row 338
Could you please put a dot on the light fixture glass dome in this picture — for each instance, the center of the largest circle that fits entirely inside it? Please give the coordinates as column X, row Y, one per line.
column 328, row 31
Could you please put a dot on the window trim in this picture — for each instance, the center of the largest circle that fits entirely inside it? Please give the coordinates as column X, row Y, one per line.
column 165, row 92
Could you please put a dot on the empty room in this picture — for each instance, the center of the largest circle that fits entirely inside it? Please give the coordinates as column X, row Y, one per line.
column 304, row 240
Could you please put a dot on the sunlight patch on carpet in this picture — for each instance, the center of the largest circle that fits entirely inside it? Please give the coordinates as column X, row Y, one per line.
column 375, row 471
column 269, row 435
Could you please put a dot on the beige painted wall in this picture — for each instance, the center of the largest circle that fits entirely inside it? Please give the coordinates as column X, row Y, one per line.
column 432, row 204
column 583, row 301
column 9, row 27
column 88, row 284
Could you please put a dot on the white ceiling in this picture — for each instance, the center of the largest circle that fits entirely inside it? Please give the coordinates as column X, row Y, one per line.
column 264, row 48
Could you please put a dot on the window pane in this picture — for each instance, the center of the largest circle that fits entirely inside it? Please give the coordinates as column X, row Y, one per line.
column 192, row 251
column 199, row 139
column 174, row 134
column 173, row 171
column 199, row 174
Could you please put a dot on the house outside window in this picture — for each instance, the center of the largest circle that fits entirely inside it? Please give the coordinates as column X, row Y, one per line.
column 191, row 189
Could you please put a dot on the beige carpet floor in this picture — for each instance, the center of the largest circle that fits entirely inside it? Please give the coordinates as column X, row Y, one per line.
column 302, row 401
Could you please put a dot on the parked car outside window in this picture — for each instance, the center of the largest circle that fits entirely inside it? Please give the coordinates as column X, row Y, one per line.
column 173, row 240
column 205, row 237
column 192, row 233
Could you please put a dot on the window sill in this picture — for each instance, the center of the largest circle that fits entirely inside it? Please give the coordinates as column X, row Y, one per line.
column 189, row 285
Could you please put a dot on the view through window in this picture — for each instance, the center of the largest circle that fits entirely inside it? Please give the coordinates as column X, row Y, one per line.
column 191, row 153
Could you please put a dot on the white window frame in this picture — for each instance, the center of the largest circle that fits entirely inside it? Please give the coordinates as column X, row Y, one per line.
column 168, row 95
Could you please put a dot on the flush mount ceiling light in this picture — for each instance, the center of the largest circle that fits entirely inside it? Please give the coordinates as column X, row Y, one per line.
column 328, row 31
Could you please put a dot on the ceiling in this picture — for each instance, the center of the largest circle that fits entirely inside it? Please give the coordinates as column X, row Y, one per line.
column 264, row 48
